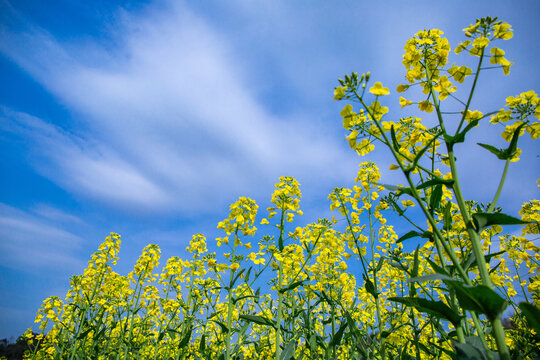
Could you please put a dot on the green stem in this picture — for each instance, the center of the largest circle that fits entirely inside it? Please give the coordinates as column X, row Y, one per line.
column 230, row 303
column 280, row 294
column 471, row 92
column 473, row 235
column 499, row 189
column 374, row 266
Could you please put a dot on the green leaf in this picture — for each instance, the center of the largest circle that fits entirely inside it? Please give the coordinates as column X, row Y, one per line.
column 291, row 287
column 435, row 198
column 186, row 338
column 380, row 263
column 416, row 262
column 483, row 220
column 288, row 352
column 235, row 300
column 487, row 258
column 421, row 152
column 510, row 152
column 395, row 143
column 336, row 339
column 460, row 137
column 429, row 277
column 160, row 336
column 370, row 288
column 202, row 344
column 438, row 269
column 404, row 190
column 261, row 320
column 498, row 152
column 236, row 277
column 224, row 328
column 473, row 349
column 246, row 277
column 436, row 181
column 532, row 314
column 479, row 298
column 447, row 216
column 408, row 235
column 436, row 308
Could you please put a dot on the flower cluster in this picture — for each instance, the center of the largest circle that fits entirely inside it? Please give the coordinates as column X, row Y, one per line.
column 241, row 217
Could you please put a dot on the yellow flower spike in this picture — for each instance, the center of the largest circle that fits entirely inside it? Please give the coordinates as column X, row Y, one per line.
column 377, row 89
column 404, row 102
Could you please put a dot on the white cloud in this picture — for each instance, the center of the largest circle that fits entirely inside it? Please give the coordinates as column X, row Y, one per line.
column 32, row 244
column 170, row 120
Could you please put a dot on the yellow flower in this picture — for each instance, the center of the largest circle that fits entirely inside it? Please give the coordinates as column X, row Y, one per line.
column 426, row 106
column 534, row 130
column 515, row 158
column 394, row 167
column 407, row 203
column 402, row 88
column 211, row 263
column 378, row 89
column 501, row 116
column 462, row 46
column 364, row 147
column 459, row 73
column 473, row 115
column 503, row 31
column 498, row 57
column 234, row 266
column 404, row 102
column 444, row 87
column 480, row 42
column 510, row 129
column 339, row 92
column 377, row 110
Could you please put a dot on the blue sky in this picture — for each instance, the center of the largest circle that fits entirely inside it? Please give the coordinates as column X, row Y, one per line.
column 149, row 118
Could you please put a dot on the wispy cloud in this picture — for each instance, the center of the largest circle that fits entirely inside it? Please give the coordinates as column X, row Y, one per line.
column 171, row 123
column 31, row 243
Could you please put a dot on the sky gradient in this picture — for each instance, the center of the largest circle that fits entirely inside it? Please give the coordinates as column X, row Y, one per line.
column 148, row 118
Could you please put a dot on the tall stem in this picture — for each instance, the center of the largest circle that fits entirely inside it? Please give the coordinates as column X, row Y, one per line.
column 230, row 303
column 280, row 294
column 473, row 234
column 499, row 189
